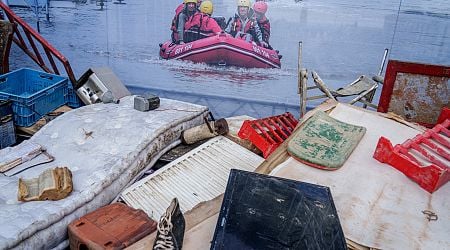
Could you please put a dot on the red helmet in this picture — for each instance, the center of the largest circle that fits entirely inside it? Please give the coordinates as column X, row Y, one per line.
column 260, row 7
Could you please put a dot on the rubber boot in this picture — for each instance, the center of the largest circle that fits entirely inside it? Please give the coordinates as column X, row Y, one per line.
column 170, row 228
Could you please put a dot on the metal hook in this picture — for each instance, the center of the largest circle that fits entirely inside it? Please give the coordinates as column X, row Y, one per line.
column 431, row 216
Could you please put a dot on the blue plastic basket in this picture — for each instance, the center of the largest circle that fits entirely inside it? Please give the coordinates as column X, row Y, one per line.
column 33, row 93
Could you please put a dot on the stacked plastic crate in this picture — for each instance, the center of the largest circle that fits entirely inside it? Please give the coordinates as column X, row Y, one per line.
column 7, row 132
column 35, row 94
column 72, row 99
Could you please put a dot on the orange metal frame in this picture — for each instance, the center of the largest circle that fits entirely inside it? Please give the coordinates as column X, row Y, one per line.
column 21, row 30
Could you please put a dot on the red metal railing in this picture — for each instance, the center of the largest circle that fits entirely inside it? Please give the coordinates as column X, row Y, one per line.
column 29, row 46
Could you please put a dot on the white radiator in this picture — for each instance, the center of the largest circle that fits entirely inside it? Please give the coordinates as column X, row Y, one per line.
column 199, row 175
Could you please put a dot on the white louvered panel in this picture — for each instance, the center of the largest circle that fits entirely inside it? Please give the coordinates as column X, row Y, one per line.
column 199, row 175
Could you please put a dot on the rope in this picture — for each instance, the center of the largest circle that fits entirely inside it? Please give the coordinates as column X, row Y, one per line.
column 50, row 159
column 107, row 32
column 395, row 27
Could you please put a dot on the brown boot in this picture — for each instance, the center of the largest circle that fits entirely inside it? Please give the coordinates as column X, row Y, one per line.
column 170, row 228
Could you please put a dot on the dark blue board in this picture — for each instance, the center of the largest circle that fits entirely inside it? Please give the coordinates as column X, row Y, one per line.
column 265, row 212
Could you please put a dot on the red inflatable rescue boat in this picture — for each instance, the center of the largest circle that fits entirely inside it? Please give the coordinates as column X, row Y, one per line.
column 223, row 50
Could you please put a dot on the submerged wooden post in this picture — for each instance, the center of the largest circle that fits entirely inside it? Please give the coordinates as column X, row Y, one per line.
column 302, row 81
column 47, row 11
column 299, row 66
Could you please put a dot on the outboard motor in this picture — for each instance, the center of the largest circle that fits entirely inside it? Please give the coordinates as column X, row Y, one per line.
column 221, row 21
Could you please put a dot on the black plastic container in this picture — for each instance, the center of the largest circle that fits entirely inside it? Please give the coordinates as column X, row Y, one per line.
column 266, row 212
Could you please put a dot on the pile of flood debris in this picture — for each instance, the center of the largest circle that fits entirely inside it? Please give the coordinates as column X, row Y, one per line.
column 143, row 172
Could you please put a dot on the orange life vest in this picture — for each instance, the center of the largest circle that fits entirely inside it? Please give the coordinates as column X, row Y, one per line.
column 237, row 25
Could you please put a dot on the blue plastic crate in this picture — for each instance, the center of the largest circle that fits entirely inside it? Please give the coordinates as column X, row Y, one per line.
column 33, row 93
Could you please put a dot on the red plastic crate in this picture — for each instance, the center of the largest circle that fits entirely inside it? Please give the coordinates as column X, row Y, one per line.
column 445, row 114
column 424, row 159
column 268, row 133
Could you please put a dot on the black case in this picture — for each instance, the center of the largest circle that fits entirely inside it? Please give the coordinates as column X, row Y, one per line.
column 265, row 212
column 153, row 101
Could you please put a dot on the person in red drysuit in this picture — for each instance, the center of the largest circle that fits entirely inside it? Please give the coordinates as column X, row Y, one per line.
column 201, row 24
column 184, row 10
column 260, row 9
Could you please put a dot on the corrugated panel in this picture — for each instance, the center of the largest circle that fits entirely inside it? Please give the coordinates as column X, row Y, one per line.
column 200, row 175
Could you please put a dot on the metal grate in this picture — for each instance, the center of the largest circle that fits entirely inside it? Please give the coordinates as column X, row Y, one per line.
column 200, row 175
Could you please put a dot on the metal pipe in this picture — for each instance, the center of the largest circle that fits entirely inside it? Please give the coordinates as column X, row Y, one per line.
column 386, row 51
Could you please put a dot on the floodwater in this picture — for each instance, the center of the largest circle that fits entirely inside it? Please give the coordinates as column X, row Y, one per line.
column 341, row 40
